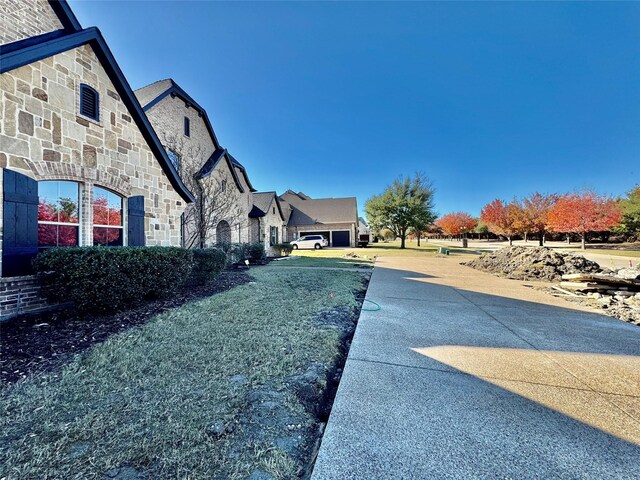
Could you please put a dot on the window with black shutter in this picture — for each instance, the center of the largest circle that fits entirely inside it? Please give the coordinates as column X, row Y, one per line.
column 89, row 102
column 187, row 127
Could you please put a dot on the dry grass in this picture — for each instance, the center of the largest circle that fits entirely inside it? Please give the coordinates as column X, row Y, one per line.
column 145, row 397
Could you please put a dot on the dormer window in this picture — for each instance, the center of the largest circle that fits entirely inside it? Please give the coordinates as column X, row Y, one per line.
column 89, row 102
column 187, row 127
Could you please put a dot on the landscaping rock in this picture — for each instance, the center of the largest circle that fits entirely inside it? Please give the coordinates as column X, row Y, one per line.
column 628, row 273
column 533, row 263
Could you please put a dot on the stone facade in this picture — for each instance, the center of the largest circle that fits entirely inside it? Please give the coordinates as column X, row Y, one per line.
column 43, row 136
column 272, row 219
column 167, row 117
column 23, row 19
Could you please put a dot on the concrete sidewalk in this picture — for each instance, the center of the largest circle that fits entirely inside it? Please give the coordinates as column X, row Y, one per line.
column 465, row 375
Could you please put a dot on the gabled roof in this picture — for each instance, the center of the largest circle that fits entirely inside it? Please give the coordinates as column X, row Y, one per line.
column 262, row 202
column 209, row 166
column 173, row 89
column 24, row 52
column 65, row 15
column 324, row 211
column 238, row 165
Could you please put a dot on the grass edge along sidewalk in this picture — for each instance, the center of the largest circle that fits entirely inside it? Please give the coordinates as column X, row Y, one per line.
column 184, row 395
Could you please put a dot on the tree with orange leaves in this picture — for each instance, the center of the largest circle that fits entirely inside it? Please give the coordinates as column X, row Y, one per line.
column 502, row 218
column 584, row 212
column 457, row 223
column 536, row 208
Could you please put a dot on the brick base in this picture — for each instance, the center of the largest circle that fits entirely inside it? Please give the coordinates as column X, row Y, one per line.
column 20, row 295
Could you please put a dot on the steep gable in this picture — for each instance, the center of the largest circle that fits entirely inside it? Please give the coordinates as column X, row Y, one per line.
column 25, row 52
column 23, row 19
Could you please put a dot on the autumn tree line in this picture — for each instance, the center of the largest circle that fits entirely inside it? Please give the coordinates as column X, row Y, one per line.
column 406, row 209
column 580, row 214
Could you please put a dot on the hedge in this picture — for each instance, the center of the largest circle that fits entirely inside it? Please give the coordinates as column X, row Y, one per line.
column 107, row 279
column 207, row 265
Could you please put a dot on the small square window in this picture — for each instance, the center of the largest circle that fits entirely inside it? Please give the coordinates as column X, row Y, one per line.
column 187, row 127
column 89, row 102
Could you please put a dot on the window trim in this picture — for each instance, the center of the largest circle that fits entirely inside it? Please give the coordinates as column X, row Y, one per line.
column 83, row 87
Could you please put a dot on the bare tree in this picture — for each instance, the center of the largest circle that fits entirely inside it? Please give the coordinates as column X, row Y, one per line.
column 216, row 200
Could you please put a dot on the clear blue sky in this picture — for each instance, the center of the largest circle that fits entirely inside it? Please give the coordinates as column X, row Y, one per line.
column 337, row 99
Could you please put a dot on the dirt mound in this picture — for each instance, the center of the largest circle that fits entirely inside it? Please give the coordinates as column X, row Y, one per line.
column 533, row 263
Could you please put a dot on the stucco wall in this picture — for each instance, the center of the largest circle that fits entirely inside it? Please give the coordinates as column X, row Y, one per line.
column 43, row 136
column 26, row 18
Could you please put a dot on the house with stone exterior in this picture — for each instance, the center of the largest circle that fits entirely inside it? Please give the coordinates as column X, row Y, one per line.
column 267, row 221
column 221, row 183
column 335, row 218
column 81, row 164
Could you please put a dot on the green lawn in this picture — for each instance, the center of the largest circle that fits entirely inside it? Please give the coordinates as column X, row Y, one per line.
column 145, row 397
column 327, row 262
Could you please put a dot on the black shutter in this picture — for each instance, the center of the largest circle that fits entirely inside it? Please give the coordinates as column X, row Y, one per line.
column 135, row 221
column 20, row 224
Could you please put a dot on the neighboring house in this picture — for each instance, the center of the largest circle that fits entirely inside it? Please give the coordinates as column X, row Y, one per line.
column 267, row 221
column 81, row 164
column 335, row 218
column 221, row 183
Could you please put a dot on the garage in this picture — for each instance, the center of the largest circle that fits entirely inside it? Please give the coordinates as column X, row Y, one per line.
column 341, row 238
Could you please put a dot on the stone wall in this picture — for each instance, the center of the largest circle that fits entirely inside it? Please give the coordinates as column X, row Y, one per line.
column 43, row 136
column 20, row 295
column 167, row 118
column 26, row 18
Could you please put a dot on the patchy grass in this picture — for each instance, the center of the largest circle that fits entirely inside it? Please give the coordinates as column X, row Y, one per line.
column 387, row 249
column 145, row 398
column 327, row 262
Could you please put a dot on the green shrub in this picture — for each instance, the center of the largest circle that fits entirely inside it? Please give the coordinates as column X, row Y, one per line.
column 107, row 279
column 207, row 265
column 284, row 249
column 256, row 252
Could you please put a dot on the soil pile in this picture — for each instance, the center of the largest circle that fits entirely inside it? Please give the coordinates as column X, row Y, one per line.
column 533, row 263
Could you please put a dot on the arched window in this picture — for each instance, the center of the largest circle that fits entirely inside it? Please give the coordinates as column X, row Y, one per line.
column 107, row 218
column 89, row 102
column 58, row 214
column 223, row 233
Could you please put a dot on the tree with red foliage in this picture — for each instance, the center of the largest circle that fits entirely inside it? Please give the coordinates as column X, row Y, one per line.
column 502, row 219
column 457, row 223
column 536, row 209
column 582, row 213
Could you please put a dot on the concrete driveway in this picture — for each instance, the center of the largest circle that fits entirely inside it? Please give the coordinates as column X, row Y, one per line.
column 465, row 375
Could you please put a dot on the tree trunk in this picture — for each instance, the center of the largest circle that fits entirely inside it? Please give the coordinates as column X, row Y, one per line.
column 525, row 237
column 568, row 239
column 541, row 239
column 418, row 239
column 402, row 238
column 584, row 240
column 510, row 241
